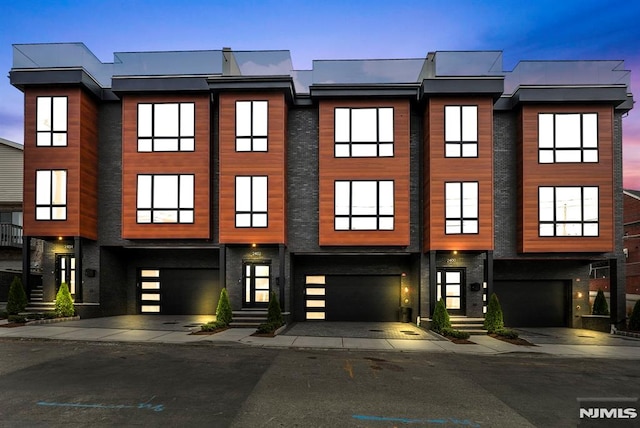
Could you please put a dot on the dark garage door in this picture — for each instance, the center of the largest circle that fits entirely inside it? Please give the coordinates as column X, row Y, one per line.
column 533, row 303
column 189, row 291
column 362, row 298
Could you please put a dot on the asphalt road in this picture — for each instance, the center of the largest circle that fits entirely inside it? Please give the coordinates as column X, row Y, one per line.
column 78, row 384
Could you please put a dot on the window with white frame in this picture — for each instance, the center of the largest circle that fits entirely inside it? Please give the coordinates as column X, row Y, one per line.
column 252, row 123
column 251, row 201
column 568, row 211
column 166, row 127
column 363, row 132
column 51, row 121
column 51, row 195
column 164, row 198
column 461, row 207
column 364, row 205
column 461, row 131
column 567, row 137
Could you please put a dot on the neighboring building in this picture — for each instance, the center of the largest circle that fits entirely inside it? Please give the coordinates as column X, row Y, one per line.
column 350, row 190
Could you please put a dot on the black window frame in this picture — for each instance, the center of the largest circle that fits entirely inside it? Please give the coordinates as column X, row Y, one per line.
column 178, row 210
column 252, row 136
column 153, row 138
column 251, row 211
column 377, row 216
column 51, row 205
column 462, row 217
column 53, row 132
column 377, row 141
column 554, row 150
column 461, row 143
column 556, row 222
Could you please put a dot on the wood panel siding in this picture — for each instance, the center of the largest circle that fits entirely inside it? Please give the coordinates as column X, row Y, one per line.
column 78, row 158
column 271, row 163
column 196, row 162
column 534, row 175
column 396, row 168
column 438, row 170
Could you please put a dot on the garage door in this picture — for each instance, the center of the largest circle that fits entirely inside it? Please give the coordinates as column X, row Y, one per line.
column 179, row 291
column 364, row 298
column 533, row 303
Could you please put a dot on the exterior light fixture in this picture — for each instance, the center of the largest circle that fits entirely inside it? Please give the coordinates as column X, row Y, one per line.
column 455, row 251
column 253, row 245
column 406, row 289
column 59, row 238
column 579, row 294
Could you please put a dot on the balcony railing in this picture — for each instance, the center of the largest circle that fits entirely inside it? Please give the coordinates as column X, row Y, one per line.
column 10, row 235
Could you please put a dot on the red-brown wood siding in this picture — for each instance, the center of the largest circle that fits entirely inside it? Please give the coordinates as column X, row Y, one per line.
column 197, row 162
column 396, row 168
column 535, row 175
column 439, row 170
column 78, row 158
column 271, row 163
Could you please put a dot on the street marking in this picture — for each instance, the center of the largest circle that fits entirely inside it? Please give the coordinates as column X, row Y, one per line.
column 143, row 406
column 441, row 421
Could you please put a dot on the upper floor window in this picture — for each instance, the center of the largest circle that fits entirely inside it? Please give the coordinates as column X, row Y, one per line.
column 252, row 119
column 461, row 131
column 167, row 127
column 51, row 121
column 461, row 207
column 251, row 201
column 568, row 211
column 566, row 137
column 51, row 195
column 364, row 205
column 165, row 198
column 363, row 132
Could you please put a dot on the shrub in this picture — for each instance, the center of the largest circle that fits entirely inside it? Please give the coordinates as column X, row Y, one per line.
column 17, row 298
column 3, row 314
column 268, row 327
column 507, row 333
column 456, row 334
column 494, row 320
column 224, row 314
column 17, row 318
column 600, row 306
column 634, row 320
column 440, row 319
column 213, row 326
column 274, row 313
column 64, row 302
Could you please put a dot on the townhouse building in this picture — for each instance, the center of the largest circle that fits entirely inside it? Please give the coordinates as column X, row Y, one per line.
column 359, row 190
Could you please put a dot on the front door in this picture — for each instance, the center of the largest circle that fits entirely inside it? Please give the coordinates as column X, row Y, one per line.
column 257, row 284
column 450, row 286
column 66, row 272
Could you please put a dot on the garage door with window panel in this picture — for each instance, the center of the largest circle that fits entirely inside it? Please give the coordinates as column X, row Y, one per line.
column 534, row 303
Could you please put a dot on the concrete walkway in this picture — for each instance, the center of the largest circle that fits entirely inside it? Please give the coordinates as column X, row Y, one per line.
column 350, row 336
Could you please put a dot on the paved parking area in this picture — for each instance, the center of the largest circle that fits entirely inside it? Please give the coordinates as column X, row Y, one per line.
column 144, row 322
column 364, row 330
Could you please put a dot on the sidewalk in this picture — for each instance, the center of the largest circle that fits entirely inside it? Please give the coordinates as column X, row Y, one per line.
column 554, row 341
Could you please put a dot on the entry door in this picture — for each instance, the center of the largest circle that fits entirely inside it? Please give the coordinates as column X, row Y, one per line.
column 451, row 288
column 257, row 284
column 66, row 272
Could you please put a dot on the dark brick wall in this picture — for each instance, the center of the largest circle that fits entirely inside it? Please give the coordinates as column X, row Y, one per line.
column 474, row 264
column 110, row 174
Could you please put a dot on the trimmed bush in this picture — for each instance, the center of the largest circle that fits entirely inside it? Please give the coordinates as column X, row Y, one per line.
column 493, row 320
column 3, row 314
column 456, row 334
column 507, row 333
column 268, row 327
column 223, row 311
column 600, row 306
column 212, row 326
column 17, row 319
column 440, row 318
column 64, row 302
column 634, row 320
column 17, row 298
column 274, row 313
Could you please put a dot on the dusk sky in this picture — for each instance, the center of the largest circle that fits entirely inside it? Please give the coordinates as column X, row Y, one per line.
column 328, row 29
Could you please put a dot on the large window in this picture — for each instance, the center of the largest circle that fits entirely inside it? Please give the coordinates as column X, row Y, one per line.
column 568, row 211
column 461, row 207
column 51, row 121
column 165, row 198
column 363, row 132
column 567, row 137
column 364, row 205
column 51, row 195
column 252, row 120
column 251, row 201
column 461, row 131
column 166, row 127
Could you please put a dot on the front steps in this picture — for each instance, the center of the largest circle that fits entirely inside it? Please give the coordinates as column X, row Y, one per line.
column 36, row 302
column 248, row 318
column 469, row 325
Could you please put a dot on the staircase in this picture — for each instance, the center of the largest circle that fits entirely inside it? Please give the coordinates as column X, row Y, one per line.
column 248, row 318
column 469, row 325
column 36, row 302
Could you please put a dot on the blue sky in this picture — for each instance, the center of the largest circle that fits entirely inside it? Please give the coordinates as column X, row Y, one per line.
column 328, row 29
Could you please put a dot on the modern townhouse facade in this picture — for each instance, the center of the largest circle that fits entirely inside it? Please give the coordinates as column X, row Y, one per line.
column 359, row 190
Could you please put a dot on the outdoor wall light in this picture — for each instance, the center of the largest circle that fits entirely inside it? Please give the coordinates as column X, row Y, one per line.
column 455, row 251
column 406, row 289
column 59, row 238
column 579, row 294
column 253, row 245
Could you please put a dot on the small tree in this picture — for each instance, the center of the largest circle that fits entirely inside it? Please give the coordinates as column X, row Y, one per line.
column 441, row 318
column 223, row 311
column 494, row 320
column 17, row 298
column 634, row 321
column 600, row 306
column 64, row 302
column 274, row 313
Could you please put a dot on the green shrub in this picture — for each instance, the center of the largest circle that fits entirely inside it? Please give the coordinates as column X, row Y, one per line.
column 17, row 318
column 17, row 298
column 3, row 315
column 213, row 326
column 600, row 306
column 634, row 320
column 274, row 313
column 493, row 320
column 64, row 302
column 456, row 334
column 507, row 333
column 50, row 315
column 440, row 318
column 224, row 314
column 268, row 327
